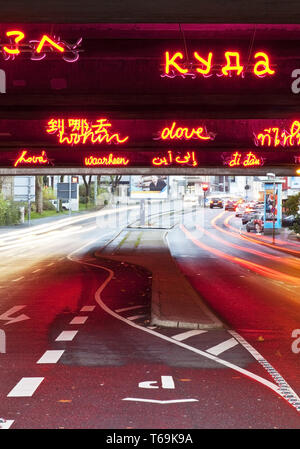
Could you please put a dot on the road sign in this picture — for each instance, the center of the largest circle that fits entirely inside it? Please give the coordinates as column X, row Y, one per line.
column 66, row 190
column 24, row 188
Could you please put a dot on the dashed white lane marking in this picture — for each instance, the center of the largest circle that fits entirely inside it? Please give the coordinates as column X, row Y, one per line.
column 50, row 264
column 87, row 309
column 184, row 335
column 18, row 279
column 37, row 270
column 66, row 336
column 135, row 317
column 6, row 424
column 124, row 309
column 51, row 356
column 222, row 347
column 167, row 382
column 26, row 387
column 79, row 320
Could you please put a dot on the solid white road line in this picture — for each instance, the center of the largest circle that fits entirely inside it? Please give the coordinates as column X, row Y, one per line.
column 184, row 335
column 87, row 309
column 26, row 387
column 222, row 347
column 79, row 320
column 173, row 401
column 51, row 356
column 135, row 317
column 66, row 336
column 124, row 309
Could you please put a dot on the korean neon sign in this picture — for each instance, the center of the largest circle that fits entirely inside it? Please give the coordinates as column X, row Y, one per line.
column 176, row 65
column 238, row 159
column 39, row 49
column 74, row 131
column 175, row 132
column 110, row 160
column 171, row 159
column 25, row 159
column 274, row 137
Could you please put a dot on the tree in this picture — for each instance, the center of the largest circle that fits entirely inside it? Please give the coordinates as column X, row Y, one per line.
column 292, row 205
column 87, row 183
column 39, row 194
column 114, row 182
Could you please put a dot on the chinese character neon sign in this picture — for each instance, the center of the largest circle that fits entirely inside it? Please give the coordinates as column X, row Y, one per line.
column 175, row 65
column 38, row 49
column 25, row 159
column 188, row 159
column 74, row 131
column 240, row 160
column 177, row 133
column 110, row 160
column 273, row 137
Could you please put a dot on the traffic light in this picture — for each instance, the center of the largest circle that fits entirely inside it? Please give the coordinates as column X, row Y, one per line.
column 204, row 187
column 75, row 179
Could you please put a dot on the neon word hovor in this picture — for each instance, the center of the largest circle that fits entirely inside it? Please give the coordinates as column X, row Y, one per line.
column 74, row 131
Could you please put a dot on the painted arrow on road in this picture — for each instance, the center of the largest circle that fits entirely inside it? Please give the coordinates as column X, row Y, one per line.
column 6, row 316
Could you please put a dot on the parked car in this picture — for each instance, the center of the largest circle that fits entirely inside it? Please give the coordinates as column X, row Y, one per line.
column 256, row 223
column 247, row 215
column 65, row 204
column 289, row 220
column 216, row 202
column 230, row 205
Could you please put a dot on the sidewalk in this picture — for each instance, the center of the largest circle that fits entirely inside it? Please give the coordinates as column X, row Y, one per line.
column 174, row 302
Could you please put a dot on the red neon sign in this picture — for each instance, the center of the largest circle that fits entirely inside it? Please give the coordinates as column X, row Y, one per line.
column 74, row 131
column 39, row 48
column 175, row 65
column 273, row 137
column 110, row 160
column 188, row 159
column 41, row 159
column 250, row 160
column 175, row 132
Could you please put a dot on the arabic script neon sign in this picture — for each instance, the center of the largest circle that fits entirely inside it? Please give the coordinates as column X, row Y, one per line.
column 274, row 137
column 171, row 159
column 39, row 48
column 175, row 64
column 74, row 131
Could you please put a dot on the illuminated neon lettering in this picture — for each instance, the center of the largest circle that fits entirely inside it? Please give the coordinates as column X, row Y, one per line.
column 171, row 62
column 46, row 39
column 104, row 160
column 189, row 159
column 174, row 132
column 76, row 131
column 276, row 136
column 264, row 64
column 207, row 64
column 42, row 159
column 251, row 160
column 235, row 161
column 229, row 67
column 19, row 36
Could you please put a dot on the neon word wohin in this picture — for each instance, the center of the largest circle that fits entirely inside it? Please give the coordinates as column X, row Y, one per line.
column 110, row 160
column 249, row 160
column 25, row 159
column 171, row 159
column 175, row 132
column 175, row 64
column 274, row 137
column 18, row 44
column 74, row 131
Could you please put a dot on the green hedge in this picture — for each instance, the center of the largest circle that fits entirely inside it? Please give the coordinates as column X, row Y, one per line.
column 9, row 212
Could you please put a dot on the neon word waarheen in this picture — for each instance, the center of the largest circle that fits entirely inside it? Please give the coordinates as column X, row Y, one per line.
column 105, row 160
column 273, row 137
column 250, row 160
column 170, row 159
column 176, row 65
column 74, row 131
column 41, row 159
column 175, row 132
column 39, row 48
